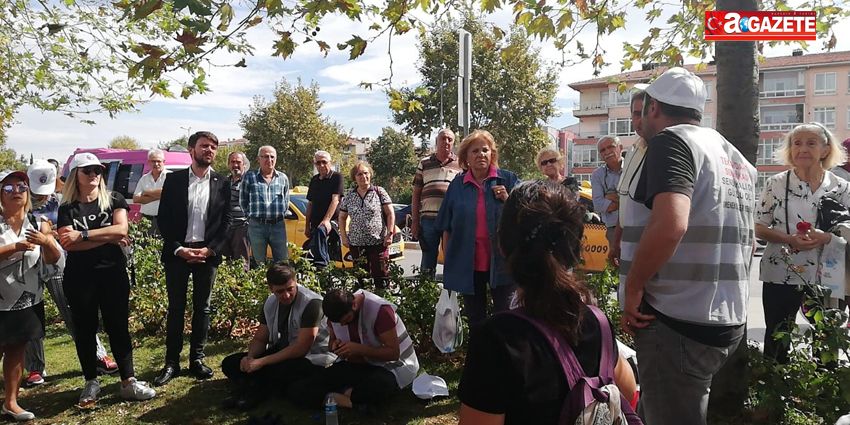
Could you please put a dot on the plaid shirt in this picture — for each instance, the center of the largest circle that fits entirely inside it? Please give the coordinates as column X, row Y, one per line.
column 264, row 200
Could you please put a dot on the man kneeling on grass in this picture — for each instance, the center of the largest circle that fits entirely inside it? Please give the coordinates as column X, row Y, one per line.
column 376, row 355
column 291, row 342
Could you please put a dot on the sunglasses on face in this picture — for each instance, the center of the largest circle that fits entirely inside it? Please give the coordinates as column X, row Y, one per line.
column 321, row 162
column 92, row 169
column 20, row 188
column 548, row 161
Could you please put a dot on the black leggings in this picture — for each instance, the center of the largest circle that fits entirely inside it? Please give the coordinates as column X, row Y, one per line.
column 370, row 385
column 107, row 291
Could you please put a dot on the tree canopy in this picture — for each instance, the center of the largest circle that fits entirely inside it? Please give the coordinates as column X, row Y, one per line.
column 513, row 90
column 124, row 142
column 392, row 157
column 292, row 124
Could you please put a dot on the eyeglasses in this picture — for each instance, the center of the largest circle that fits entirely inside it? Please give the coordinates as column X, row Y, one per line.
column 92, row 169
column 321, row 162
column 548, row 161
column 20, row 188
column 267, row 156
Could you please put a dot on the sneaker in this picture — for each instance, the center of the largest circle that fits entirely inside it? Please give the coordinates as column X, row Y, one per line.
column 88, row 398
column 137, row 390
column 33, row 379
column 106, row 366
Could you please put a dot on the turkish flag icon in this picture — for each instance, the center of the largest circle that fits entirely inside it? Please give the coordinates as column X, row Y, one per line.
column 714, row 22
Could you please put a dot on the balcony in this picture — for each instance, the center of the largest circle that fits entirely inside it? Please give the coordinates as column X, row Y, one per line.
column 587, row 110
column 782, row 93
column 784, row 126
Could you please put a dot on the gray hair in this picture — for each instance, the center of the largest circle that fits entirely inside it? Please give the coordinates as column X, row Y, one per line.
column 266, row 147
column 245, row 161
column 614, row 139
column 323, row 154
column 154, row 152
column 446, row 131
column 836, row 155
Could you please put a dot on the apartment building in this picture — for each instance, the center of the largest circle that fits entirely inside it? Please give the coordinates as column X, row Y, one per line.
column 792, row 90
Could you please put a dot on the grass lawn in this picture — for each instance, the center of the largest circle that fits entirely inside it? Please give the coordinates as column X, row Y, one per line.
column 188, row 401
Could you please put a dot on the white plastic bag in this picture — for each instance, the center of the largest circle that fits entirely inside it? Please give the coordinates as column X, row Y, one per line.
column 448, row 325
column 832, row 266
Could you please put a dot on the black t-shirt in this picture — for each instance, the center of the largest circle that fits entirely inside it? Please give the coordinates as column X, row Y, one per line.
column 669, row 167
column 89, row 216
column 320, row 193
column 311, row 317
column 512, row 369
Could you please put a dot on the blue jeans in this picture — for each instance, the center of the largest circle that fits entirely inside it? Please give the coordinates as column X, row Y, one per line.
column 429, row 243
column 262, row 235
column 319, row 246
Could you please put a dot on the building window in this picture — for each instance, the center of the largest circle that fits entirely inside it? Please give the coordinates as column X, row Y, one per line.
column 707, row 121
column 825, row 83
column 619, row 99
column 762, row 178
column 708, row 91
column 603, row 128
column 780, row 117
column 826, row 116
column 582, row 177
column 782, row 84
column 767, row 151
column 620, row 127
column 585, row 156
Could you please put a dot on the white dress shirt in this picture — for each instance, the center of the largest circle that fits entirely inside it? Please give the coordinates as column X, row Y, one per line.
column 199, row 199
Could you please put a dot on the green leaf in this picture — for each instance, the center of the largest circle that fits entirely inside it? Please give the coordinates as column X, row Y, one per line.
column 324, row 47
column 524, row 18
column 490, row 6
column 565, row 21
column 356, row 44
column 54, row 28
column 284, row 47
column 226, row 15
column 200, row 7
column 146, row 8
column 241, row 64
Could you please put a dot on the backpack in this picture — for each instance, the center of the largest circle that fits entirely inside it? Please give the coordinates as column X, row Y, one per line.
column 591, row 400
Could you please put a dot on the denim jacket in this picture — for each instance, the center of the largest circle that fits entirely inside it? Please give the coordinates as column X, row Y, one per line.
column 457, row 216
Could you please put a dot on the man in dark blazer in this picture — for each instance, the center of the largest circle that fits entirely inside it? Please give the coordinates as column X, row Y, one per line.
column 193, row 217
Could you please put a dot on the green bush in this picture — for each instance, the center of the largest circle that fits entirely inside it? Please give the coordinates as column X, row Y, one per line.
column 603, row 288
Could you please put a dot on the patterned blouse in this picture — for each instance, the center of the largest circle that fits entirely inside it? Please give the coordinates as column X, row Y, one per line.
column 802, row 206
column 366, row 214
column 22, row 273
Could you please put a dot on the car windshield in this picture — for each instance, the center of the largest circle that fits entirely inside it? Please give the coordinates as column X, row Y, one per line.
column 300, row 202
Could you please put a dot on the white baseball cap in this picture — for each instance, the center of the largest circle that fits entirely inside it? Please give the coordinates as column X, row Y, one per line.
column 679, row 87
column 9, row 173
column 84, row 160
column 42, row 175
column 427, row 386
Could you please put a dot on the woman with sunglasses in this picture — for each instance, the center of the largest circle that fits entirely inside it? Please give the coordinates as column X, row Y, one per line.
column 550, row 162
column 92, row 228
column 27, row 249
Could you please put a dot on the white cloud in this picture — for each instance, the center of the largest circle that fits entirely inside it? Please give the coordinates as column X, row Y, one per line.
column 359, row 101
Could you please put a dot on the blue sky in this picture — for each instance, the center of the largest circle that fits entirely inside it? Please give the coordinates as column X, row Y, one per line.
column 362, row 112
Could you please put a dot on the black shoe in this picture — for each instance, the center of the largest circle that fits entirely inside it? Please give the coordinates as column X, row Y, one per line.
column 199, row 370
column 168, row 373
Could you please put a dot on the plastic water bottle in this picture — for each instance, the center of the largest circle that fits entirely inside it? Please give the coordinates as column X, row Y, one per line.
column 331, row 414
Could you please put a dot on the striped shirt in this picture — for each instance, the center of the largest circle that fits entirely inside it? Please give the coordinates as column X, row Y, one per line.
column 433, row 177
column 267, row 201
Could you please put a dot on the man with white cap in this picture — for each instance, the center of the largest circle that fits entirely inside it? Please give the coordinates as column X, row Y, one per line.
column 687, row 277
column 149, row 188
column 45, row 204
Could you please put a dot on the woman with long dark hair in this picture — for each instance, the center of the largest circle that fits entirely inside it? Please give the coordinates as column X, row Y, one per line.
column 92, row 226
column 512, row 375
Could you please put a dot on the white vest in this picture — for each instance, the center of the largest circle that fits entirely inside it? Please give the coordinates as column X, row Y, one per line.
column 319, row 353
column 706, row 280
column 407, row 366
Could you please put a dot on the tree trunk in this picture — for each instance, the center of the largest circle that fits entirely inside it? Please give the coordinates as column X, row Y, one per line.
column 738, row 121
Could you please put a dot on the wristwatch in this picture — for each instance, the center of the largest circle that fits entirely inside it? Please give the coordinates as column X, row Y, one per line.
column 85, row 234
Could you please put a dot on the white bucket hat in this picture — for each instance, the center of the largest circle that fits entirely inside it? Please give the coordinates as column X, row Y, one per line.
column 679, row 87
column 42, row 175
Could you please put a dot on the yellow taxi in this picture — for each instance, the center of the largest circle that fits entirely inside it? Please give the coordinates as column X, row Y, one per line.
column 594, row 244
column 296, row 220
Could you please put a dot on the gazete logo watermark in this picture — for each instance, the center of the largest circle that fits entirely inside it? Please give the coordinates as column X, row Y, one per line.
column 747, row 25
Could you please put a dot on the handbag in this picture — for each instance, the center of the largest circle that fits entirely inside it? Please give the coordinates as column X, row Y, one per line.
column 448, row 324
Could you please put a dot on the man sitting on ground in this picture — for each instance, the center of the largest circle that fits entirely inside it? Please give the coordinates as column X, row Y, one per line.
column 291, row 342
column 378, row 358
